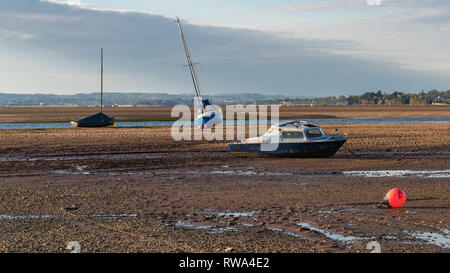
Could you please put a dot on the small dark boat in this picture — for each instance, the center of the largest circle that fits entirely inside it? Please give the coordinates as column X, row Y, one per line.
column 99, row 119
column 296, row 139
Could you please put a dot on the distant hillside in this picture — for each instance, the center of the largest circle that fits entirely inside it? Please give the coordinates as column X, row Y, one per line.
column 117, row 99
column 161, row 99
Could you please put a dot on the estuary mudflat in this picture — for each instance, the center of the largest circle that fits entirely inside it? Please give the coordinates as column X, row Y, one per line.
column 138, row 190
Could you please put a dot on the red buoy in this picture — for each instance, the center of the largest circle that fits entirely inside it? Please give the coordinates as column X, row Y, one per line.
column 395, row 198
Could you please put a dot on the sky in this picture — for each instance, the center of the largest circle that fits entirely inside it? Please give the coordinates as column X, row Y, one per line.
column 288, row 47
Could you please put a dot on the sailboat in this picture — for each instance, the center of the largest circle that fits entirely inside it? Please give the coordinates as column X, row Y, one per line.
column 99, row 119
column 207, row 116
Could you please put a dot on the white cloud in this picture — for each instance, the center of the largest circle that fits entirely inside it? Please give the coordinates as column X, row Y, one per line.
column 415, row 35
column 374, row 2
column 358, row 4
column 326, row 5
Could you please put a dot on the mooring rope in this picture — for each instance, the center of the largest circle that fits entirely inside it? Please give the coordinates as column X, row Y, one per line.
column 347, row 149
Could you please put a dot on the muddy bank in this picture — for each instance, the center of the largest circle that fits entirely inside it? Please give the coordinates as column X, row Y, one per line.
column 374, row 140
column 137, row 190
column 156, row 113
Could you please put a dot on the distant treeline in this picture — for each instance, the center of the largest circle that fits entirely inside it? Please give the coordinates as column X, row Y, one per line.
column 161, row 99
column 399, row 98
column 371, row 98
column 126, row 99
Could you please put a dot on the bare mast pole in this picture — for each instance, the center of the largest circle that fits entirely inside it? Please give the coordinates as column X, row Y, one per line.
column 190, row 65
column 101, row 82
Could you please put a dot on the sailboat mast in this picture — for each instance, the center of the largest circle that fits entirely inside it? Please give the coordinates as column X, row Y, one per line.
column 101, row 82
column 190, row 65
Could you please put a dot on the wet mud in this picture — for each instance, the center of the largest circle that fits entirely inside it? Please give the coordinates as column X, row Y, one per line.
column 137, row 190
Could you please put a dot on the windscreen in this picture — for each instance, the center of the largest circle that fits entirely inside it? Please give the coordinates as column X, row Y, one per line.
column 292, row 135
column 312, row 133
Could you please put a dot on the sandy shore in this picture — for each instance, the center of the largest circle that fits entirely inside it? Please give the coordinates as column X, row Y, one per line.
column 137, row 190
column 66, row 114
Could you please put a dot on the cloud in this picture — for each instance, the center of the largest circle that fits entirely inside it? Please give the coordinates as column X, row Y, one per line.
column 54, row 47
column 68, row 2
column 358, row 4
column 414, row 34
column 326, row 5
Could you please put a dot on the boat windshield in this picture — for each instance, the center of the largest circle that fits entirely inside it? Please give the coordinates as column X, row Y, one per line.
column 292, row 135
column 313, row 133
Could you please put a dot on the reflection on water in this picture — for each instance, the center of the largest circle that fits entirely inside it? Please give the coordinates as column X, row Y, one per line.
column 51, row 216
column 26, row 217
column 331, row 235
column 433, row 238
column 209, row 228
column 239, row 122
column 110, row 217
column 93, row 156
column 290, row 233
column 401, row 173
column 237, row 213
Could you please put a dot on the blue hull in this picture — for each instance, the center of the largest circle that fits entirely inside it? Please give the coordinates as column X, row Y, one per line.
column 303, row 149
column 201, row 122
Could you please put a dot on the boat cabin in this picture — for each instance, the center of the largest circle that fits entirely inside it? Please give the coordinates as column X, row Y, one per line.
column 294, row 132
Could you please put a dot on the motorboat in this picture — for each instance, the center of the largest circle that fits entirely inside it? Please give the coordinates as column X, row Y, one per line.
column 295, row 138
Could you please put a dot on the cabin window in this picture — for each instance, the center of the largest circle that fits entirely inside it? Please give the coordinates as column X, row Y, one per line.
column 313, row 133
column 293, row 134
